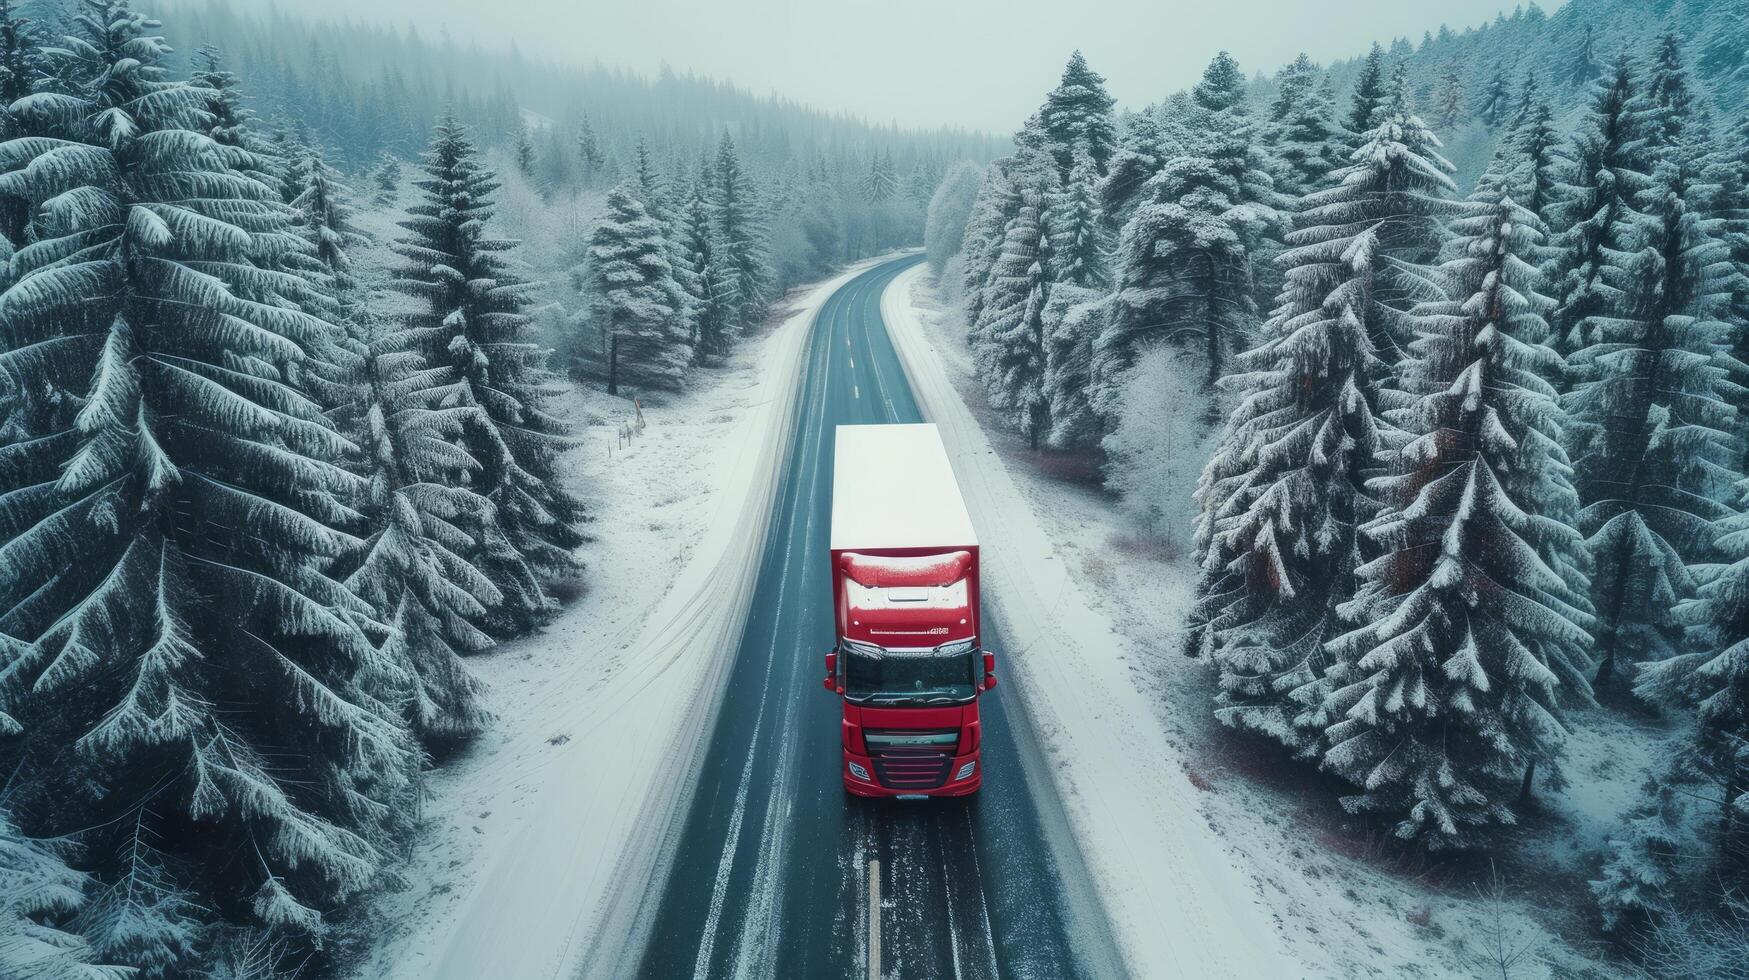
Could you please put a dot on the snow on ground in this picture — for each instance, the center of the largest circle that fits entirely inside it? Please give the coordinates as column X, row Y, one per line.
column 540, row 838
column 1197, row 836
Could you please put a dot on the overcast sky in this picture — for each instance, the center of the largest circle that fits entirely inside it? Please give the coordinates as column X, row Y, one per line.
column 977, row 63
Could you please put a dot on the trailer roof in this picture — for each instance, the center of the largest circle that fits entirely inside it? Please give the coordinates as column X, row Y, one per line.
column 892, row 487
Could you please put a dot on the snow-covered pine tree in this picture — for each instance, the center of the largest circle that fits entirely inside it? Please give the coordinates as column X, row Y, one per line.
column 43, row 894
column 1077, row 114
column 996, row 204
column 472, row 322
column 634, row 303
column 1583, row 65
column 882, row 181
column 1641, row 873
column 1309, row 147
column 700, row 275
column 1371, row 91
column 591, row 159
column 1450, row 102
column 1650, row 424
column 1609, row 165
column 740, row 244
column 1010, row 342
column 1073, row 317
column 386, row 180
column 180, row 665
column 413, row 566
column 1296, row 80
column 1145, row 141
column 1385, row 216
column 1079, row 246
column 1669, row 92
column 1494, row 107
column 1279, row 501
column 1447, row 692
column 1533, row 160
column 1183, row 264
column 522, row 151
column 1711, row 675
column 324, row 213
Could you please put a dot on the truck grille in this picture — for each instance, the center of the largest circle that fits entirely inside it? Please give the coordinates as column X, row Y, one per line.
column 899, row 765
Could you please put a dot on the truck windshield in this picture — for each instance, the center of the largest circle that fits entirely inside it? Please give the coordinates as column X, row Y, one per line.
column 945, row 675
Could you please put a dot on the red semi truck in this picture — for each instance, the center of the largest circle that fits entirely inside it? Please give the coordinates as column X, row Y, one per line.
column 907, row 667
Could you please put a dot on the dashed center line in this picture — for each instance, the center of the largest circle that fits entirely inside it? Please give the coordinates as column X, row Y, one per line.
column 874, row 919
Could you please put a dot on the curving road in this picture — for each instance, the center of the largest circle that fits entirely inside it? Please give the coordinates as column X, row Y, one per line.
column 771, row 876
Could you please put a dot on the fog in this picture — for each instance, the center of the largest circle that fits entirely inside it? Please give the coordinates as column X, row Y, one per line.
column 975, row 63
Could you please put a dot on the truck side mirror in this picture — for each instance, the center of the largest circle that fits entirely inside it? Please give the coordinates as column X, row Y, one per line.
column 989, row 670
column 831, row 682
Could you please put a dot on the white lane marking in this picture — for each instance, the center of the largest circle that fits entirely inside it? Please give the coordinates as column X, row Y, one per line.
column 856, row 391
column 853, row 362
column 719, row 890
column 713, row 917
column 874, row 919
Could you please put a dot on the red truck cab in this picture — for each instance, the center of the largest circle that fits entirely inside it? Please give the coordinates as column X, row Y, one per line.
column 908, row 667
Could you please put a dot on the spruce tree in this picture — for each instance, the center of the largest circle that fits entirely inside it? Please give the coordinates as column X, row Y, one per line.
column 181, row 667
column 1711, row 676
column 413, row 565
column 1279, row 502
column 44, row 895
column 700, row 275
column 1309, row 147
column 1447, row 691
column 1651, row 424
column 1494, row 107
column 1530, row 162
column 522, row 151
column 1010, row 343
column 1079, row 245
column 1371, row 89
column 1641, row 871
column 740, row 243
column 471, row 322
column 1609, row 160
column 590, row 158
column 634, row 302
column 1073, row 316
column 1077, row 113
column 1583, row 66
column 1184, row 260
column 1669, row 92
column 993, row 208
column 387, row 180
column 1386, row 216
column 1293, row 83
column 1449, row 100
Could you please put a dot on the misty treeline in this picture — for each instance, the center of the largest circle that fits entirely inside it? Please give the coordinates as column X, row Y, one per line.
column 1471, row 453
column 278, row 440
column 814, row 190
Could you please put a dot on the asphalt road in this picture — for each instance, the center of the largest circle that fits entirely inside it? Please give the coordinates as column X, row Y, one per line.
column 772, row 874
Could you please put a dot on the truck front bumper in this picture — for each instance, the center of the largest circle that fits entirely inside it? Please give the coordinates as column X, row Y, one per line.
column 863, row 778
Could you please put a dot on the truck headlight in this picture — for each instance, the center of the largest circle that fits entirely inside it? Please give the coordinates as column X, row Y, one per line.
column 967, row 769
column 859, row 772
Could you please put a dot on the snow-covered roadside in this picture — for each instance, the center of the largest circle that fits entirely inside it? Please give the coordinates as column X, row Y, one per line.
column 1342, row 906
column 1178, row 903
column 541, row 840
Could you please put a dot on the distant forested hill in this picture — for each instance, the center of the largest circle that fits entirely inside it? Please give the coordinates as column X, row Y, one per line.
column 364, row 87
